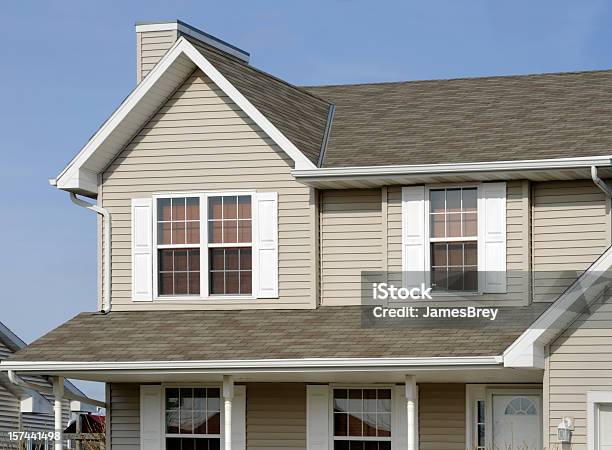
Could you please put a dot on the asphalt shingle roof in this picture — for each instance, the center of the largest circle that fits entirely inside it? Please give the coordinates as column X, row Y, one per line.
column 265, row 334
column 470, row 120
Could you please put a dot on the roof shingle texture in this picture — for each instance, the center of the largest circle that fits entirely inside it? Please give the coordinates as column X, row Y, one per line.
column 470, row 120
column 299, row 115
column 325, row 332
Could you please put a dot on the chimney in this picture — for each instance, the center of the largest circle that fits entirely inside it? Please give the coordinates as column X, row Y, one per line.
column 154, row 39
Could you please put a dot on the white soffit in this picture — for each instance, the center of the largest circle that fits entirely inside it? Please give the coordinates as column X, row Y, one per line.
column 173, row 69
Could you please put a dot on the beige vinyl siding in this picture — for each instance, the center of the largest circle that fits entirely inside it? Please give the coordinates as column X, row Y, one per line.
column 201, row 141
column 124, row 415
column 442, row 416
column 276, row 416
column 351, row 239
column 580, row 360
column 150, row 47
column 517, row 242
column 571, row 229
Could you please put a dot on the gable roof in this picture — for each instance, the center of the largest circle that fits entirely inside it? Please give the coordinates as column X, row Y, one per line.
column 504, row 118
column 254, row 90
column 528, row 349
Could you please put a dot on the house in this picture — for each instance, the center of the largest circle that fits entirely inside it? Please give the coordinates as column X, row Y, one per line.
column 240, row 217
column 26, row 409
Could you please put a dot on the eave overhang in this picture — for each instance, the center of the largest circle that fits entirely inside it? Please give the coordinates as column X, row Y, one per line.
column 375, row 176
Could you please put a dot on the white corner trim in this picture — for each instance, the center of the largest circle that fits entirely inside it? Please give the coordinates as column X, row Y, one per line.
column 258, row 365
column 449, row 168
column 72, row 174
column 527, row 351
column 594, row 398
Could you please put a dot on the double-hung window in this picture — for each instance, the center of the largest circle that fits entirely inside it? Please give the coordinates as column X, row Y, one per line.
column 230, row 239
column 361, row 419
column 453, row 239
column 192, row 418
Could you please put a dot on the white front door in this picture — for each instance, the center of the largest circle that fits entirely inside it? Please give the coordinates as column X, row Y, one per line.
column 517, row 421
column 604, row 427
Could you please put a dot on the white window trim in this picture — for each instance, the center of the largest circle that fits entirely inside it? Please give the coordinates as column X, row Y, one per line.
column 203, row 245
column 594, row 399
column 165, row 386
column 358, row 386
column 479, row 240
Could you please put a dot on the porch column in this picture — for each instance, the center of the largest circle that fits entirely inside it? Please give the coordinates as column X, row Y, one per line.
column 228, row 395
column 411, row 397
column 58, row 392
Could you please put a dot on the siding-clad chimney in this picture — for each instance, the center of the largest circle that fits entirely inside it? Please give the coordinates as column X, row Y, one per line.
column 154, row 39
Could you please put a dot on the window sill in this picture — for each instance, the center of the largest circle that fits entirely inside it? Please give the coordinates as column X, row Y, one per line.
column 216, row 298
column 456, row 295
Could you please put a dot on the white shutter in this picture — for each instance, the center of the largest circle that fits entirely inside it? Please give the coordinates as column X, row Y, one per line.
column 266, row 235
column 239, row 418
column 317, row 417
column 413, row 235
column 150, row 417
column 492, row 237
column 142, row 249
column 399, row 425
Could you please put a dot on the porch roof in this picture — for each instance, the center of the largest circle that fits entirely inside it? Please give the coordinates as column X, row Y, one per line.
column 326, row 332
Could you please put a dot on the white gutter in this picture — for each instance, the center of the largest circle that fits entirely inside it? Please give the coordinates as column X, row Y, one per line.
column 535, row 164
column 16, row 380
column 601, row 184
column 106, row 304
column 259, row 365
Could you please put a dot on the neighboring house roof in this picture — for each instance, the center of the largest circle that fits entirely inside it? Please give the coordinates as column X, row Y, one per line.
column 14, row 343
column 503, row 118
column 326, row 332
column 297, row 113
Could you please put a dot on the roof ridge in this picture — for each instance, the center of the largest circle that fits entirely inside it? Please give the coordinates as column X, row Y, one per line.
column 466, row 78
column 255, row 69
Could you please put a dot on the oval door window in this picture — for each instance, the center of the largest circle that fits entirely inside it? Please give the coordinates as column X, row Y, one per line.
column 520, row 406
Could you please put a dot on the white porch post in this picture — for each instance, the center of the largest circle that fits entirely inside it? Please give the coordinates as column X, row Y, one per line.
column 58, row 392
column 228, row 395
column 411, row 397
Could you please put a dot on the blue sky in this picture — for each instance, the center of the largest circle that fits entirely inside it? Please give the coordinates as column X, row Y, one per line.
column 67, row 64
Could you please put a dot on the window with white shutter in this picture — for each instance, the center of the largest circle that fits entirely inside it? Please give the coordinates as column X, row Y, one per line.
column 205, row 245
column 455, row 236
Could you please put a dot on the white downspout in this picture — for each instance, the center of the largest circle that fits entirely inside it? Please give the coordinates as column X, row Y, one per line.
column 106, row 304
column 601, row 184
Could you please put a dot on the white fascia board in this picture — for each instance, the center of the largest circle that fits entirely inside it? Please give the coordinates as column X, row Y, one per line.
column 417, row 169
column 527, row 351
column 259, row 365
column 77, row 177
